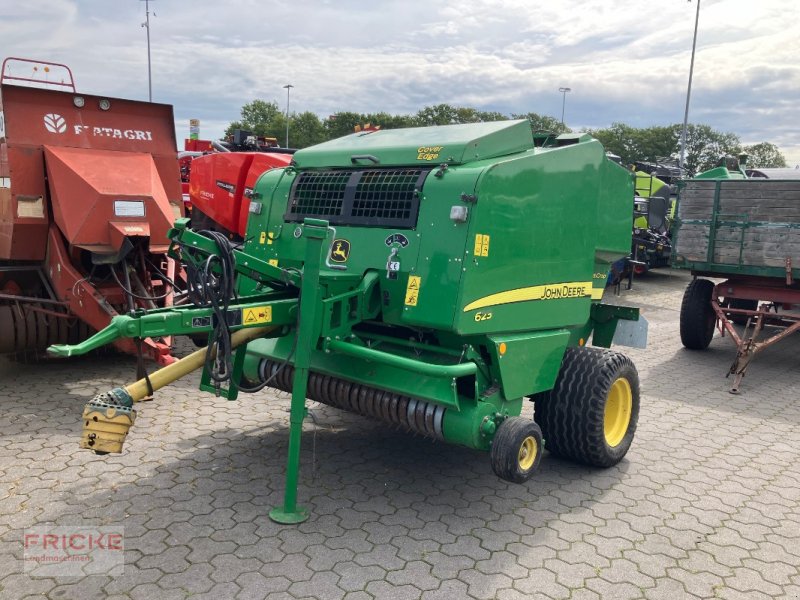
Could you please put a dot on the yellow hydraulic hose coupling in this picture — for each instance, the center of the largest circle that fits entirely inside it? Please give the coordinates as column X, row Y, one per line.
column 106, row 421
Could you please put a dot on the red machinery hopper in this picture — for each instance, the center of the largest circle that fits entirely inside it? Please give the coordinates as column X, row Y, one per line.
column 101, row 197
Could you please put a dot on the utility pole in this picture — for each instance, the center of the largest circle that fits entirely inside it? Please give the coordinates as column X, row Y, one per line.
column 146, row 25
column 563, row 91
column 288, row 88
column 689, row 89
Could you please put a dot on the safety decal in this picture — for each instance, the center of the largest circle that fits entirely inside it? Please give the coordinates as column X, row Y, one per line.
column 198, row 322
column 262, row 238
column 481, row 245
column 549, row 291
column 256, row 315
column 412, row 290
column 340, row 250
column 396, row 238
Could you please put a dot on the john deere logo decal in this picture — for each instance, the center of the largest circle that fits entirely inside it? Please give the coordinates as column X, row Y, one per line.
column 55, row 123
column 340, row 251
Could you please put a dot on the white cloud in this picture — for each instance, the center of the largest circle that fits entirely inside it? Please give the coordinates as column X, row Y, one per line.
column 625, row 60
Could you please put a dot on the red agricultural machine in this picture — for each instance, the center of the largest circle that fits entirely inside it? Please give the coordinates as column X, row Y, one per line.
column 89, row 187
column 218, row 178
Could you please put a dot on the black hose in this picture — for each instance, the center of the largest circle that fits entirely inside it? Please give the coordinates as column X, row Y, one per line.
column 130, row 292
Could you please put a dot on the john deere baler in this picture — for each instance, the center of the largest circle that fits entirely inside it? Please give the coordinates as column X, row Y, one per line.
column 432, row 278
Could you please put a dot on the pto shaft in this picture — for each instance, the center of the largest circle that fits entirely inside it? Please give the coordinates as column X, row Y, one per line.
column 108, row 417
column 166, row 375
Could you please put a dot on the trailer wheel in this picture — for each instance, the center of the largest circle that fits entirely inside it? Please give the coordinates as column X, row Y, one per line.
column 516, row 449
column 591, row 413
column 697, row 315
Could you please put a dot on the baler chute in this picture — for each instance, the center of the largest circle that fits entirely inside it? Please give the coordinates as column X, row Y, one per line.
column 424, row 278
column 89, row 188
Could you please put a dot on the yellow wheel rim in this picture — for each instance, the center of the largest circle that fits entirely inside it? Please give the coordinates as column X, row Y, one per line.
column 617, row 418
column 527, row 453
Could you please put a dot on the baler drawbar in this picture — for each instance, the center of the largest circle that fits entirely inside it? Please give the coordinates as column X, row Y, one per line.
column 433, row 297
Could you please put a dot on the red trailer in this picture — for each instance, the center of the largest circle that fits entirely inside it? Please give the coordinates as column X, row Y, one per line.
column 89, row 186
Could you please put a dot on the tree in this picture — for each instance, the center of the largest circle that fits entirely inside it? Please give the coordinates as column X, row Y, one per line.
column 445, row 114
column 342, row 123
column 657, row 142
column 543, row 123
column 619, row 139
column 764, row 156
column 705, row 147
column 305, row 129
column 261, row 118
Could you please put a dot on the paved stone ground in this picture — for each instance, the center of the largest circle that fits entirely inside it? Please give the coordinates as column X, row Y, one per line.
column 706, row 503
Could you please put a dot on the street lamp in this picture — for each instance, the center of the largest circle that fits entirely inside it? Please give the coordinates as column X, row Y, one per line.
column 563, row 91
column 288, row 88
column 689, row 89
column 146, row 25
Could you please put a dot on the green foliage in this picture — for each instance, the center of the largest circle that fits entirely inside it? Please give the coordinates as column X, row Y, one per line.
column 260, row 117
column 619, row 139
column 704, row 145
column 444, row 114
column 632, row 144
column 343, row 123
column 764, row 156
column 305, row 130
column 543, row 123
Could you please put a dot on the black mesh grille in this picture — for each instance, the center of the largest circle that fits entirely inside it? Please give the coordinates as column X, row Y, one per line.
column 377, row 197
column 319, row 194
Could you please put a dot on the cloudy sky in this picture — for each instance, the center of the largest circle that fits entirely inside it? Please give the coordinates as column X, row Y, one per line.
column 625, row 60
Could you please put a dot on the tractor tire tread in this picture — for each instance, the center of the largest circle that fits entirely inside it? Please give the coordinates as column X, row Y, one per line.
column 697, row 317
column 571, row 415
column 504, row 453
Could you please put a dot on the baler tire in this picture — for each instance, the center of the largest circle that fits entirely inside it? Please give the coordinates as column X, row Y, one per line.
column 516, row 449
column 697, row 318
column 574, row 415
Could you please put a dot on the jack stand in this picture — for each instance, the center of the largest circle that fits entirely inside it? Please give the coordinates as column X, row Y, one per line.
column 307, row 335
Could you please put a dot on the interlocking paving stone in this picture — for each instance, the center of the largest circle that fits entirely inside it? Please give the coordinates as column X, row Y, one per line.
column 706, row 504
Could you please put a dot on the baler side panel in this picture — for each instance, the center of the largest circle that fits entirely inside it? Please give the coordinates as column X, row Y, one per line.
column 614, row 217
column 443, row 245
column 262, row 162
column 23, row 207
column 215, row 186
column 533, row 209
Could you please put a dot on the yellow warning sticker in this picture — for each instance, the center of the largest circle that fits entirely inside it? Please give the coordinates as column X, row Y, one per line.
column 273, row 262
column 262, row 239
column 412, row 290
column 481, row 245
column 256, row 315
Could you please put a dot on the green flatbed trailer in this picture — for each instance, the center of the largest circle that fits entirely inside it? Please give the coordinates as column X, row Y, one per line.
column 426, row 278
column 746, row 232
